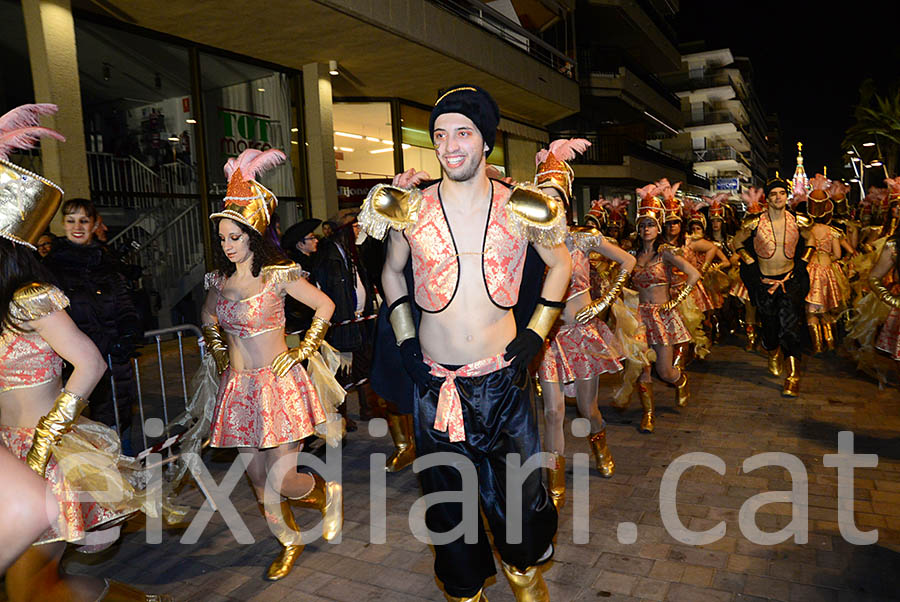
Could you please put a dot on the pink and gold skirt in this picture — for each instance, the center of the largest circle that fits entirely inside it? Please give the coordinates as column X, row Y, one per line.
column 889, row 337
column 824, row 288
column 94, row 485
column 579, row 352
column 257, row 409
column 702, row 299
column 664, row 327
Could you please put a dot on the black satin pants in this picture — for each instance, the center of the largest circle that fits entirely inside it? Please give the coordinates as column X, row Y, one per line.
column 781, row 314
column 498, row 421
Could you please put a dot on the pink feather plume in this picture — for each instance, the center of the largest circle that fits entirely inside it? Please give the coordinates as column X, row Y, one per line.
column 253, row 162
column 648, row 191
column 541, row 156
column 753, row 199
column 838, row 188
column 567, row 149
column 893, row 185
column 820, row 182
column 800, row 195
column 20, row 129
column 25, row 116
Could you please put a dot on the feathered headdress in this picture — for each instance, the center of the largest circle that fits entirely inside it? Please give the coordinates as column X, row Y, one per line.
column 671, row 199
column 246, row 200
column 893, row 189
column 552, row 168
column 754, row 199
column 718, row 206
column 819, row 206
column 838, row 190
column 597, row 216
column 693, row 207
column 650, row 205
column 616, row 208
column 27, row 201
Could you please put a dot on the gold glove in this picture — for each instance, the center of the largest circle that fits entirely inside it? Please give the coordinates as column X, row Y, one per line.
column 596, row 308
column 52, row 427
column 215, row 344
column 681, row 296
column 310, row 343
column 884, row 293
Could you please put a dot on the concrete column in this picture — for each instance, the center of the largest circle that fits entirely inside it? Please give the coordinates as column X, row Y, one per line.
column 319, row 136
column 50, row 32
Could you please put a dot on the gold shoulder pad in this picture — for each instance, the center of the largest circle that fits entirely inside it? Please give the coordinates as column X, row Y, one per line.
column 837, row 232
column 667, row 248
column 536, row 217
column 750, row 222
column 803, row 221
column 389, row 207
column 36, row 300
column 586, row 237
column 213, row 280
column 287, row 271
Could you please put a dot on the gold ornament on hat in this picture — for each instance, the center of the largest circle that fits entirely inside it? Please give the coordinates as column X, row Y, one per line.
column 27, row 201
column 553, row 171
column 246, row 200
column 650, row 205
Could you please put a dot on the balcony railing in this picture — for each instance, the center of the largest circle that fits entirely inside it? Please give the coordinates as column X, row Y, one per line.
column 714, row 117
column 684, row 82
column 611, row 149
column 511, row 32
column 602, row 60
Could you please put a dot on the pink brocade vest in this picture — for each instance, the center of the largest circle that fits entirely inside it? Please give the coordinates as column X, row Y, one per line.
column 435, row 261
column 764, row 241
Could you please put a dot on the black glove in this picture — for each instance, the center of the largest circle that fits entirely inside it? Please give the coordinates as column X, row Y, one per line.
column 414, row 362
column 524, row 348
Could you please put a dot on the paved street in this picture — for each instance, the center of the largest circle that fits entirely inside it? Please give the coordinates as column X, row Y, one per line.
column 737, row 411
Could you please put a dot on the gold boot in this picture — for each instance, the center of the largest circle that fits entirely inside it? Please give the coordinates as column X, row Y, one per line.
column 479, row 597
column 288, row 533
column 602, row 456
column 527, row 585
column 401, row 429
column 682, row 394
column 792, row 381
column 119, row 592
column 327, row 498
column 827, row 336
column 556, row 481
column 751, row 336
column 775, row 357
column 815, row 334
column 645, row 392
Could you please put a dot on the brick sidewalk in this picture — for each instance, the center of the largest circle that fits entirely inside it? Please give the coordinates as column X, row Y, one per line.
column 736, row 411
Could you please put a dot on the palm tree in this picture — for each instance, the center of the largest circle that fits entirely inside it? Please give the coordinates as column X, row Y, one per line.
column 878, row 120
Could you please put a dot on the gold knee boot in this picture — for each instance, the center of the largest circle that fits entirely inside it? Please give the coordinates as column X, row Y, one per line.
column 527, row 585
column 327, row 498
column 792, row 381
column 284, row 527
column 775, row 361
column 815, row 334
column 602, row 456
column 479, row 597
column 401, row 429
column 682, row 394
column 119, row 592
column 827, row 336
column 751, row 336
column 556, row 481
column 645, row 392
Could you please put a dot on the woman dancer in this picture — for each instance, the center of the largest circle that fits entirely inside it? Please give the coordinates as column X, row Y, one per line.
column 38, row 415
column 883, row 280
column 753, row 202
column 654, row 279
column 578, row 351
column 266, row 402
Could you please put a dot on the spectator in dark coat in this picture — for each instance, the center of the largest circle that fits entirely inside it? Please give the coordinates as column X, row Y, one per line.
column 299, row 243
column 101, row 305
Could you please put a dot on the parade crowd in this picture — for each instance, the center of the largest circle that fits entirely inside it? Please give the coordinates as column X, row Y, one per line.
column 490, row 300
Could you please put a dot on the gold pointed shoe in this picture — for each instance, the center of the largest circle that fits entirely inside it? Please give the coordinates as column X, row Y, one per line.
column 328, row 499
column 645, row 392
column 602, row 456
column 282, row 565
column 401, row 429
column 527, row 585
column 792, row 381
column 815, row 335
column 775, row 361
column 682, row 393
column 556, row 481
column 479, row 597
column 119, row 592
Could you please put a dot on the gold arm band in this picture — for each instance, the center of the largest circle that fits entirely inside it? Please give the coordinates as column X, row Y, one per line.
column 543, row 319
column 883, row 293
column 216, row 346
column 808, row 254
column 52, row 427
column 744, row 254
column 401, row 319
column 681, row 296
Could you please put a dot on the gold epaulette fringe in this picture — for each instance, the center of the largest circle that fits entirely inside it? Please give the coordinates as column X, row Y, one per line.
column 536, row 217
column 389, row 207
column 585, row 237
column 280, row 274
column 36, row 300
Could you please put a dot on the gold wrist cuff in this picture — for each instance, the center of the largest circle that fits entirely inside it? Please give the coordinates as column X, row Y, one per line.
column 52, row 427
column 744, row 255
column 543, row 319
column 401, row 320
column 315, row 334
column 808, row 253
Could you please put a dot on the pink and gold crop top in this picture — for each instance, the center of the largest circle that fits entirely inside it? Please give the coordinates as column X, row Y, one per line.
column 26, row 359
column 655, row 273
column 260, row 313
column 435, row 258
column 579, row 245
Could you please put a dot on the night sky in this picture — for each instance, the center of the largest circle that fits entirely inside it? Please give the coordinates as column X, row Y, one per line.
column 808, row 61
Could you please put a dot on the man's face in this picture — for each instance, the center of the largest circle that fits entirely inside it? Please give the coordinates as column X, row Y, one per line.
column 459, row 146
column 309, row 244
column 777, row 198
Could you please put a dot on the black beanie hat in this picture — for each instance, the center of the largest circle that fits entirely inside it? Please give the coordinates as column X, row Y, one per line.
column 776, row 183
column 473, row 102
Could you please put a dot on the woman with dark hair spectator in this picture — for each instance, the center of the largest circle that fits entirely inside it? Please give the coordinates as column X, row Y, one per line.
column 101, row 305
column 45, row 244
